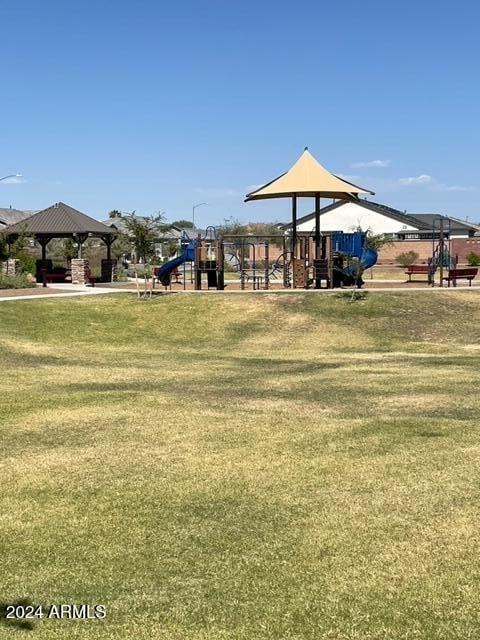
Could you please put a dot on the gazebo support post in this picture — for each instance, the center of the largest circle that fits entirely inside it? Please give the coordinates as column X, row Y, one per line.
column 80, row 238
column 109, row 266
column 43, row 265
column 318, row 248
column 294, row 237
column 43, row 241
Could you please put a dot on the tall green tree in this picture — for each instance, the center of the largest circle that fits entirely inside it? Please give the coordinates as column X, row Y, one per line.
column 183, row 224
column 143, row 233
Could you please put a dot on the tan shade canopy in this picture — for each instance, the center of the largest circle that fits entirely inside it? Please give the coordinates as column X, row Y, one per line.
column 307, row 177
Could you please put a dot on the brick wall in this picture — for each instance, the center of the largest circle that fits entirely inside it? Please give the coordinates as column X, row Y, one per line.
column 460, row 247
column 389, row 252
column 463, row 246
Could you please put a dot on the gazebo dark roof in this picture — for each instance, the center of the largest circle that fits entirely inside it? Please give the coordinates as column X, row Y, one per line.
column 60, row 220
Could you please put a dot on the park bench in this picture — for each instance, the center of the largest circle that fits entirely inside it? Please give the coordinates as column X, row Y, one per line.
column 461, row 274
column 415, row 269
column 56, row 274
column 55, row 277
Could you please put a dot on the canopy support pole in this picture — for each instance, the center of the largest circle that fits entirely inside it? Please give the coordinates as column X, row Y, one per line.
column 317, row 227
column 294, row 236
column 318, row 248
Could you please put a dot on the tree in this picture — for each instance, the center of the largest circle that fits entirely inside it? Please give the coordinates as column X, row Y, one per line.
column 183, row 224
column 69, row 250
column 114, row 213
column 377, row 241
column 265, row 232
column 62, row 250
column 122, row 247
column 231, row 226
column 143, row 233
column 21, row 250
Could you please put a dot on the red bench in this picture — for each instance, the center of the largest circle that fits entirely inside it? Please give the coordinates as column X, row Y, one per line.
column 423, row 269
column 55, row 277
column 461, row 274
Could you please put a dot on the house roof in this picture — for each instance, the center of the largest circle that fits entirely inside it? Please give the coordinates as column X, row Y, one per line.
column 307, row 177
column 11, row 216
column 382, row 209
column 421, row 221
column 59, row 220
column 453, row 225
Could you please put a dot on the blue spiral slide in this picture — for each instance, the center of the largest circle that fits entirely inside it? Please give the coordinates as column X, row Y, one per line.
column 187, row 255
column 368, row 258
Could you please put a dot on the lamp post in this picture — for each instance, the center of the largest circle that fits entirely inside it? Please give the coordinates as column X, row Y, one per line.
column 200, row 204
column 13, row 175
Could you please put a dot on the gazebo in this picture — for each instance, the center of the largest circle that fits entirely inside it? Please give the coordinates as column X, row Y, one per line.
column 307, row 178
column 62, row 221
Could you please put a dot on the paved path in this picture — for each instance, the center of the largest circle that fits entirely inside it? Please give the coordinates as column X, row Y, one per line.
column 81, row 290
column 62, row 293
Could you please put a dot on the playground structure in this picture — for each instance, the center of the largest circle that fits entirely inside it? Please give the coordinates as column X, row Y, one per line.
column 295, row 259
column 335, row 259
column 322, row 257
column 267, row 261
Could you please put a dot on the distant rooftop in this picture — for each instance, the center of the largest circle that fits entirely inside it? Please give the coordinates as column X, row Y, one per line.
column 421, row 221
column 11, row 216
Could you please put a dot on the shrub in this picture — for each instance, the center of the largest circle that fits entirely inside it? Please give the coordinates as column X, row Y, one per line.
column 18, row 281
column 122, row 273
column 473, row 259
column 27, row 261
column 407, row 258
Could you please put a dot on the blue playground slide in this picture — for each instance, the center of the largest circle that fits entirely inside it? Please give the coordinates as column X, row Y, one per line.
column 354, row 245
column 187, row 255
column 368, row 258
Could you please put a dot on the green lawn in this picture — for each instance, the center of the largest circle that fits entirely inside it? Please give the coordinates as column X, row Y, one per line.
column 209, row 467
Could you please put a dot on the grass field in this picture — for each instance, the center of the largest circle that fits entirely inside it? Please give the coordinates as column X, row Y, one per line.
column 289, row 466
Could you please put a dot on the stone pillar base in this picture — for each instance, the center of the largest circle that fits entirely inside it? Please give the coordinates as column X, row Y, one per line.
column 79, row 267
column 11, row 266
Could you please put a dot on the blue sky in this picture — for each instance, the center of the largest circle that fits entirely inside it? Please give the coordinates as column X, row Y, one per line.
column 156, row 105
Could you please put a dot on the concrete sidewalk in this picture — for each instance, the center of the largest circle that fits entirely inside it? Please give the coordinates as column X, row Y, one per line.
column 82, row 290
column 61, row 292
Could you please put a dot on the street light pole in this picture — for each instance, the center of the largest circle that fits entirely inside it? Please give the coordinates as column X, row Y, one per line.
column 200, row 204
